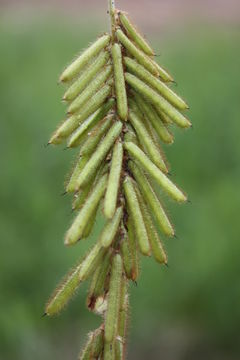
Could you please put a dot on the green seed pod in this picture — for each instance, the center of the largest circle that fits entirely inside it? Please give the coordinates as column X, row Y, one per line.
column 145, row 138
column 155, row 139
column 82, row 195
column 119, row 350
column 96, row 135
column 64, row 292
column 82, row 131
column 144, row 75
column 150, row 114
column 90, row 225
column 124, row 294
column 75, row 232
column 97, row 287
column 133, row 248
column 136, row 215
column 164, row 75
column 157, row 100
column 164, row 118
column 91, row 299
column 94, row 346
column 80, row 84
column 109, row 351
column 124, row 305
column 156, row 246
column 111, row 228
column 98, row 343
column 112, row 314
column 123, row 321
column 110, row 201
column 131, row 136
column 71, row 186
column 126, row 255
column 72, row 123
column 135, row 36
column 99, row 155
column 90, row 90
column 119, row 82
column 152, row 200
column 91, row 262
column 136, row 53
column 72, row 70
column 86, row 352
column 170, row 188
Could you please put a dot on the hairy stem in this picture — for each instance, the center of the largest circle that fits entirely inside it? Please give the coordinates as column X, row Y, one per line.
column 111, row 5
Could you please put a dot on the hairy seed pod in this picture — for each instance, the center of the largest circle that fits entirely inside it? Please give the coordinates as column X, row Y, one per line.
column 110, row 201
column 91, row 262
column 144, row 75
column 111, row 228
column 119, row 350
column 99, row 155
column 123, row 321
column 72, row 70
column 109, row 351
column 90, row 225
column 136, row 53
column 75, row 232
column 94, row 346
column 124, row 305
column 86, row 351
column 112, row 315
column 80, row 84
column 155, row 242
column 135, row 36
column 99, row 280
column 119, row 82
column 98, row 343
column 155, row 140
column 91, row 298
column 164, row 75
column 152, row 200
column 133, row 248
column 131, row 136
column 136, row 215
column 150, row 114
column 145, row 138
column 156, row 99
column 138, row 155
column 82, row 131
column 71, row 186
column 72, row 123
column 64, row 292
column 164, row 118
column 96, row 135
column 126, row 255
column 90, row 90
column 82, row 195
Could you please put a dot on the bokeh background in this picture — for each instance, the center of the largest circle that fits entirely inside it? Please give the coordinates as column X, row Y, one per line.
column 189, row 311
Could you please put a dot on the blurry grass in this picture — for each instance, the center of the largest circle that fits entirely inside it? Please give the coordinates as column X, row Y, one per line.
column 199, row 293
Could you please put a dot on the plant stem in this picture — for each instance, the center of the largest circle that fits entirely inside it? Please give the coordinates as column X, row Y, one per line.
column 112, row 16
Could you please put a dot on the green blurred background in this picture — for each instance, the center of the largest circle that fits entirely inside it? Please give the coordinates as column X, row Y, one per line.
column 189, row 311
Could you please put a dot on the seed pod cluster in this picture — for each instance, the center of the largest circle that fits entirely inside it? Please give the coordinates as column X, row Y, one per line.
column 120, row 107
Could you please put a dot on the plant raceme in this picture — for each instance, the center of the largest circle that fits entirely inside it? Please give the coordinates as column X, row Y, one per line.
column 120, row 108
